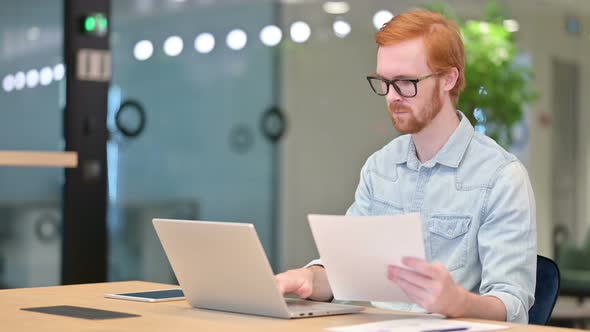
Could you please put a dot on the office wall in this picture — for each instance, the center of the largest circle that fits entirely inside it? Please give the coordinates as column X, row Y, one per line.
column 543, row 34
column 337, row 122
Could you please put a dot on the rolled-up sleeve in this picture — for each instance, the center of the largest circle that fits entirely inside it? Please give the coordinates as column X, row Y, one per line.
column 507, row 242
column 363, row 193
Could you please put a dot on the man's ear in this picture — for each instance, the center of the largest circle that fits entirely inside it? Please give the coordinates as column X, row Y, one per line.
column 450, row 79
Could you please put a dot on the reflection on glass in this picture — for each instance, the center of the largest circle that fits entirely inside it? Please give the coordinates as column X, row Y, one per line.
column 236, row 39
column 204, row 43
column 173, row 46
column 19, row 80
column 58, row 72
column 46, row 76
column 143, row 50
column 8, row 83
column 32, row 78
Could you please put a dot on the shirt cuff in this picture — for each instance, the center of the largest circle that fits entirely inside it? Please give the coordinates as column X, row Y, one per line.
column 315, row 262
column 515, row 312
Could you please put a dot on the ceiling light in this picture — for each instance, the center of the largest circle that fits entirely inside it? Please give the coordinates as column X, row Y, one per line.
column 341, row 28
column 336, row 7
column 381, row 17
column 271, row 35
column 300, row 32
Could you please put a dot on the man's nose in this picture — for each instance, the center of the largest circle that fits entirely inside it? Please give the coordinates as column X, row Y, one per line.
column 392, row 95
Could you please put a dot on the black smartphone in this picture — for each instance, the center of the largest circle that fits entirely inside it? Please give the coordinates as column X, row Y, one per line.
column 150, row 296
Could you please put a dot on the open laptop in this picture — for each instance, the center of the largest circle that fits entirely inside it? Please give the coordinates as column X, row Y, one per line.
column 222, row 266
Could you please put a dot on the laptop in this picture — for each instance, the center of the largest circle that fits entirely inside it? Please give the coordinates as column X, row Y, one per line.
column 222, row 266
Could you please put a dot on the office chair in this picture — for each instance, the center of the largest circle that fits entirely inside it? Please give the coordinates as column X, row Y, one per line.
column 546, row 291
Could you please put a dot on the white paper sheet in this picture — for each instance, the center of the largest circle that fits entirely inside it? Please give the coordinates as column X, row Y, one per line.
column 419, row 325
column 357, row 250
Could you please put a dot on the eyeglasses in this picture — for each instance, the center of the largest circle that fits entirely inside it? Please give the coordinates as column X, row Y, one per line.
column 405, row 87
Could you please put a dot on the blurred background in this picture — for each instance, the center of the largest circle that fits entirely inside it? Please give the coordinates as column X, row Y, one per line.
column 258, row 111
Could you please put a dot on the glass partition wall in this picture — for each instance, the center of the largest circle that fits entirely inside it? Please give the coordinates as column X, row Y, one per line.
column 31, row 107
column 204, row 81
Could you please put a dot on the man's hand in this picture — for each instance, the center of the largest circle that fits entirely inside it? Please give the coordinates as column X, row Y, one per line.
column 307, row 283
column 430, row 286
column 298, row 282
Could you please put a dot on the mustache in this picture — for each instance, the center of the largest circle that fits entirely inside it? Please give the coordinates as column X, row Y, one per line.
column 395, row 107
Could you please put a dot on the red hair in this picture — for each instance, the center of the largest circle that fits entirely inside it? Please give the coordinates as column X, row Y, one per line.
column 442, row 40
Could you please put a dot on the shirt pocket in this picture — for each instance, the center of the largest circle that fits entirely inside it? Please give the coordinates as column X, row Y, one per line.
column 448, row 240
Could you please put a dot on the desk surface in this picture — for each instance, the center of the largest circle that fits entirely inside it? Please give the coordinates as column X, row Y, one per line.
column 164, row 316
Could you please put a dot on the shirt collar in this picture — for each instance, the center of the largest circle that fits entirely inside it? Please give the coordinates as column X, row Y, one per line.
column 451, row 153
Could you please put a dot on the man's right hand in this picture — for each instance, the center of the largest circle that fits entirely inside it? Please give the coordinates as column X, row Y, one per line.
column 310, row 282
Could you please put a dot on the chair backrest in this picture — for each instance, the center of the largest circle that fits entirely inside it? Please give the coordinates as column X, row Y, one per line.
column 546, row 291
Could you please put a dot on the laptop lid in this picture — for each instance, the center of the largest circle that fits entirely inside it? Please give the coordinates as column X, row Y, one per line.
column 221, row 266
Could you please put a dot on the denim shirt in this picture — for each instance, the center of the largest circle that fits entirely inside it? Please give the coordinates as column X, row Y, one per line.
column 477, row 208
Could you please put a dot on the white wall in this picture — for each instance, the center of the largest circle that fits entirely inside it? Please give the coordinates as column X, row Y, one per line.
column 544, row 37
column 336, row 122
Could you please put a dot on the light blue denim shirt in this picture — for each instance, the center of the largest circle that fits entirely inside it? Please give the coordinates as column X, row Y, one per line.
column 477, row 208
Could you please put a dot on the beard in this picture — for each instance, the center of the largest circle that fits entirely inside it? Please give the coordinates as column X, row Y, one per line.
column 405, row 120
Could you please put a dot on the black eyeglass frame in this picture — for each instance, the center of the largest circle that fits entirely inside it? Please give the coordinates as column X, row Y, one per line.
column 394, row 84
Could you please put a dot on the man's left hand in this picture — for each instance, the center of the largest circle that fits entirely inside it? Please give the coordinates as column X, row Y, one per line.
column 430, row 286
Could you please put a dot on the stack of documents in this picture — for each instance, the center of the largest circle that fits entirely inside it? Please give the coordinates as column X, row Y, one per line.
column 419, row 325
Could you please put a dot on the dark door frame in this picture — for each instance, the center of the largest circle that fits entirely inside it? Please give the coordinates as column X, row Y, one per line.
column 88, row 64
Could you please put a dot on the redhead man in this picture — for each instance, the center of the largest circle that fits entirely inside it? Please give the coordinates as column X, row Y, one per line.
column 475, row 199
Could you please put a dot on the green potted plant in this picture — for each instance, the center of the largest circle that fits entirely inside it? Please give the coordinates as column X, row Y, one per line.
column 498, row 87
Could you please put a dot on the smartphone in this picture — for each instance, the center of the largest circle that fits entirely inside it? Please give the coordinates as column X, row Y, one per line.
column 150, row 296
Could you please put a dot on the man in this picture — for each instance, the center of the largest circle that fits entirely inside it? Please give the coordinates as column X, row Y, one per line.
column 475, row 199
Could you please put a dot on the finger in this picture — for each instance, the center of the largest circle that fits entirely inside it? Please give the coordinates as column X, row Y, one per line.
column 413, row 277
column 414, row 293
column 280, row 284
column 303, row 292
column 420, row 265
column 288, row 283
column 416, row 289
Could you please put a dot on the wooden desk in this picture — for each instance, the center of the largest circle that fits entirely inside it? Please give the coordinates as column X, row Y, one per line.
column 165, row 316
